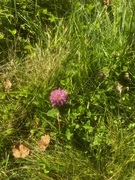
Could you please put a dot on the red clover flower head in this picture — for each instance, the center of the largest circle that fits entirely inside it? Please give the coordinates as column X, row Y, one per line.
column 58, row 97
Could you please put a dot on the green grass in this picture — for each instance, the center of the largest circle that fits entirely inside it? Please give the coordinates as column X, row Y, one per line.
column 55, row 44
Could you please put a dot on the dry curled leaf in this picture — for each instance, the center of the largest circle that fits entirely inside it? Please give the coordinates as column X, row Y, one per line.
column 127, row 77
column 127, row 88
column 106, row 2
column 119, row 88
column 20, row 151
column 44, row 142
column 7, row 85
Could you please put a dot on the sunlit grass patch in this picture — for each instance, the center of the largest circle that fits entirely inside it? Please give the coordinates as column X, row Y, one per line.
column 86, row 54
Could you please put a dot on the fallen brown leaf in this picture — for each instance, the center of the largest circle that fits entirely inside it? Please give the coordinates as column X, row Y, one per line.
column 7, row 85
column 44, row 142
column 119, row 88
column 106, row 2
column 20, row 151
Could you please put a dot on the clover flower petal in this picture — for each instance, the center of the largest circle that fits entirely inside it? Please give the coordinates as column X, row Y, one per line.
column 58, row 97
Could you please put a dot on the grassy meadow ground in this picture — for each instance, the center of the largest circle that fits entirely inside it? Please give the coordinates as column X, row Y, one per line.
column 86, row 48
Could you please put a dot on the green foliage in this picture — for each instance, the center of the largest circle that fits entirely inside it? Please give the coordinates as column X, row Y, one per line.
column 22, row 21
column 86, row 48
